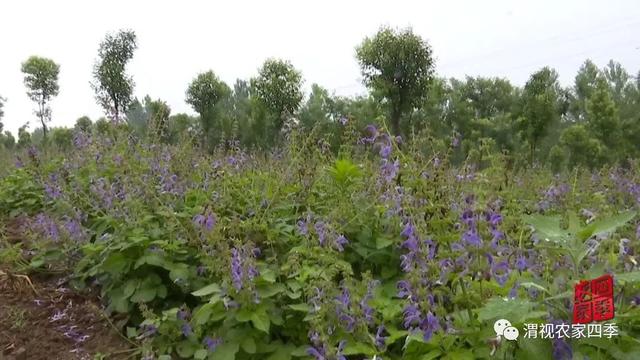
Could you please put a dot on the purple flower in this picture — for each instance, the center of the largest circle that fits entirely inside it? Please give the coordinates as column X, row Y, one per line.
column 638, row 232
column 303, row 227
column 472, row 237
column 562, row 350
column 408, row 230
column 429, row 325
column 205, row 222
column 236, row 269
column 186, row 330
column 513, row 293
column 404, row 289
column 75, row 230
column 411, row 316
column 47, row 227
column 148, row 330
column 373, row 135
column 321, row 232
column 317, row 352
column 340, row 242
column 343, row 120
column 521, row 263
column 385, row 151
column 494, row 219
column 500, row 272
column 389, row 170
column 212, row 343
column 183, row 314
column 380, row 339
column 344, row 299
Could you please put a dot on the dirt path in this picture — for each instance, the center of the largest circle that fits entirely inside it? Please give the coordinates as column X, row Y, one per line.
column 54, row 324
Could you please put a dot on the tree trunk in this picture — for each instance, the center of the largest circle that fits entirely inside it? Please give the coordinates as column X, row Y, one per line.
column 395, row 121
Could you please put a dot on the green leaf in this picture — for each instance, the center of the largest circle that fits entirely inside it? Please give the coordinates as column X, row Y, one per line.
column 130, row 287
column 179, row 272
column 282, row 352
column 607, row 225
column 260, row 321
column 226, row 351
column 154, row 259
column 243, row 315
column 115, row 264
column 529, row 284
column 630, row 277
column 144, row 295
column 433, row 354
column 267, row 291
column 548, row 227
column 460, row 354
column 383, row 242
column 268, row 275
column 356, row 348
column 200, row 354
column 514, row 310
column 185, row 349
column 207, row 290
column 249, row 345
column 202, row 315
column 303, row 307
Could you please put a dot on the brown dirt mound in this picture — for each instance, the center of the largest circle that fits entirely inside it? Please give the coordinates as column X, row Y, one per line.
column 55, row 323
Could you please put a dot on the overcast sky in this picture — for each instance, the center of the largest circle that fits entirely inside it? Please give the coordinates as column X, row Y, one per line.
column 178, row 39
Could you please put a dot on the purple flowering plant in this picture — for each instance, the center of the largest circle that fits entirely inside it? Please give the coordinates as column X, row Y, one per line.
column 388, row 248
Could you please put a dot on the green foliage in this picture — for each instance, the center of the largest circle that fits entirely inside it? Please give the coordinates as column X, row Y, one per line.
column 41, row 80
column 540, row 107
column 62, row 138
column 204, row 94
column 20, row 194
column 396, row 66
column 278, row 90
column 602, row 117
column 112, row 86
column 84, row 124
column 583, row 150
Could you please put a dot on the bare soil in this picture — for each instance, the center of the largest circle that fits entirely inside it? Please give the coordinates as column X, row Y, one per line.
column 53, row 322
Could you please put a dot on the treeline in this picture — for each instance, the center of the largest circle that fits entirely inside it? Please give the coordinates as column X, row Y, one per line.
column 595, row 121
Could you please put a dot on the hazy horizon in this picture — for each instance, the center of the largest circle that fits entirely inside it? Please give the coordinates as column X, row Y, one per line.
column 177, row 41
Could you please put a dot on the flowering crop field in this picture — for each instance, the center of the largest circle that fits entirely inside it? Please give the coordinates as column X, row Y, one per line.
column 379, row 250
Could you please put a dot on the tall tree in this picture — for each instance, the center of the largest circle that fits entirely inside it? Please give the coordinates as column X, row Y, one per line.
column 540, row 107
column 397, row 66
column 204, row 94
column 318, row 109
column 602, row 116
column 584, row 86
column 83, row 124
column 41, row 80
column 581, row 148
column 278, row 88
column 24, row 137
column 159, row 113
column 113, row 87
column 618, row 78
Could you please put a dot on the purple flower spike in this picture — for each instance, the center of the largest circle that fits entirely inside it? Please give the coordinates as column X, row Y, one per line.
column 429, row 325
